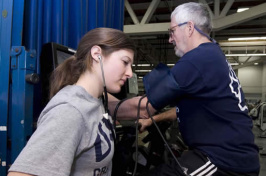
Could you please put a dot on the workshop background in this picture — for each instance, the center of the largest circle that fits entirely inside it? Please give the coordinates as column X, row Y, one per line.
column 26, row 26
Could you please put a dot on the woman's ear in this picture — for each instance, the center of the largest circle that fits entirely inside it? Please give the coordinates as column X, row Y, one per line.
column 96, row 51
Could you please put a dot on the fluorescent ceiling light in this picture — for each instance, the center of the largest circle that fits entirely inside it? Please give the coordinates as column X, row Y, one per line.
column 234, row 63
column 245, row 55
column 247, row 38
column 242, row 9
column 149, row 65
column 170, row 64
column 142, row 70
column 143, row 65
column 256, row 63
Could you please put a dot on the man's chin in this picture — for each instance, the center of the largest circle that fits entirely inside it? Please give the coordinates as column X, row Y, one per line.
column 178, row 53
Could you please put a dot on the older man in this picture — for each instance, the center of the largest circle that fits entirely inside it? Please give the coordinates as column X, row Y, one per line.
column 209, row 101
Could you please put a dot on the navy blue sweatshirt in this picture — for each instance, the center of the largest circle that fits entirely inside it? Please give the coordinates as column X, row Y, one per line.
column 212, row 113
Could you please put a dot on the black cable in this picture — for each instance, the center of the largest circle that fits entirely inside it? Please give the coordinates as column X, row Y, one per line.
column 106, row 100
column 136, row 143
column 116, row 109
column 168, row 147
column 138, row 112
column 137, row 122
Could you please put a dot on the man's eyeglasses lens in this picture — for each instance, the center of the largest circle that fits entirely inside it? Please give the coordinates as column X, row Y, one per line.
column 171, row 30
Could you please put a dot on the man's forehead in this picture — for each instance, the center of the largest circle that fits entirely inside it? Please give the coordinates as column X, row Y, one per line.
column 172, row 23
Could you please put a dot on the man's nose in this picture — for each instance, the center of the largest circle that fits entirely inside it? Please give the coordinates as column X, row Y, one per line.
column 170, row 39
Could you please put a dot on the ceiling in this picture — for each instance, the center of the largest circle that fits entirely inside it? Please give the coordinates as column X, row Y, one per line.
column 147, row 21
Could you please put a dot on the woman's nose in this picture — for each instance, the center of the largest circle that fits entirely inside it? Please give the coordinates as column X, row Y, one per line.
column 129, row 72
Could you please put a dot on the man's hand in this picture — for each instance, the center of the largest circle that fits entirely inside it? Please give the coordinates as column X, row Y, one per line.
column 144, row 123
column 167, row 115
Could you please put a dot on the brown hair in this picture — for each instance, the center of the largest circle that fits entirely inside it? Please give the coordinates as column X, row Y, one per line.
column 69, row 71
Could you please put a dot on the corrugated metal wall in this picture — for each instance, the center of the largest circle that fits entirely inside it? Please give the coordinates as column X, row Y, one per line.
column 26, row 25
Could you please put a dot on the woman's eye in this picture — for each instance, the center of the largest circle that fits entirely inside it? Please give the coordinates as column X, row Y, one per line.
column 125, row 62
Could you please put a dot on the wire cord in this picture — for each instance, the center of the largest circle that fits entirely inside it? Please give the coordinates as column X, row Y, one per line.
column 104, row 87
column 137, row 132
column 167, row 145
column 116, row 109
column 136, row 138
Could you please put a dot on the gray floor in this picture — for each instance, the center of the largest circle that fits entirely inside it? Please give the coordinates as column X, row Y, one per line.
column 261, row 142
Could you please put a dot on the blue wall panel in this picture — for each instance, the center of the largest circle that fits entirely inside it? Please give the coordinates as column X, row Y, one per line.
column 5, row 44
column 15, row 94
column 20, row 114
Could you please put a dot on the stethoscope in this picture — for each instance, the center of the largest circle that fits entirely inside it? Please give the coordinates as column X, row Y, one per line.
column 104, row 86
column 105, row 99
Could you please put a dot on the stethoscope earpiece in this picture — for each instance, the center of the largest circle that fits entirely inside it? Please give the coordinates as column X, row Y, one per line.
column 100, row 57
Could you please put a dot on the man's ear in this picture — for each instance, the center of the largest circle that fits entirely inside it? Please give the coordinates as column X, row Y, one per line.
column 96, row 51
column 191, row 28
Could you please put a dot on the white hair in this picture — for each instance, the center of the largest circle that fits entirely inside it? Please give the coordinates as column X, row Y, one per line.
column 195, row 12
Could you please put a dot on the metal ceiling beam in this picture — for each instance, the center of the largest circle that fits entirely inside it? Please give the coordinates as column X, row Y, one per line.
column 218, row 24
column 145, row 30
column 226, row 8
column 243, row 48
column 237, row 18
column 216, row 8
column 243, row 43
column 210, row 11
column 154, row 28
column 236, row 32
column 146, row 18
column 131, row 13
column 249, row 63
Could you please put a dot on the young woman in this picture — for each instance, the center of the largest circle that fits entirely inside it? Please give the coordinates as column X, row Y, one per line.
column 75, row 135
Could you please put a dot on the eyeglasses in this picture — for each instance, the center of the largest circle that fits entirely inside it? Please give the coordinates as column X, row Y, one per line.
column 171, row 30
